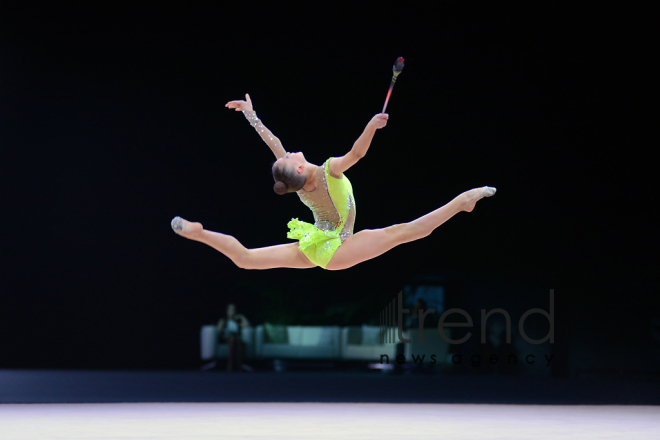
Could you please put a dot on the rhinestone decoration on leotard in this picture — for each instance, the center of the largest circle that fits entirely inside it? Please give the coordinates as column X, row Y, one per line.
column 319, row 201
column 261, row 129
column 326, row 216
column 333, row 206
column 347, row 230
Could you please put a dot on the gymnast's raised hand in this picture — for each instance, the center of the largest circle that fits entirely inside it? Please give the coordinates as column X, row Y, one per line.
column 240, row 106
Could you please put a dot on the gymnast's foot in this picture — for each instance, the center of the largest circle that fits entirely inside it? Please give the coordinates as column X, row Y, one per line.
column 185, row 228
column 474, row 195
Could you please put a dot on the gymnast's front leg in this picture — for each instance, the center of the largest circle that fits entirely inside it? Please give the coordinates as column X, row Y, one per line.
column 279, row 256
column 370, row 243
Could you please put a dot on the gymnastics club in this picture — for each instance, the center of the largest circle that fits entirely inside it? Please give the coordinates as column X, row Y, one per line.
column 396, row 69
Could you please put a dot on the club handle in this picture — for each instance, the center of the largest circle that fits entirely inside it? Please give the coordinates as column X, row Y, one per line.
column 387, row 99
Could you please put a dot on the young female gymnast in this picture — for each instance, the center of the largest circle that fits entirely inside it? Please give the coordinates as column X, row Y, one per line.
column 329, row 242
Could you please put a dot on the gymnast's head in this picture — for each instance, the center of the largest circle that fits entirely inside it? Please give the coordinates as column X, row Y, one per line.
column 289, row 173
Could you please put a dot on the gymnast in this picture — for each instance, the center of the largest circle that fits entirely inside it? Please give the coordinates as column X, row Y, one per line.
column 325, row 189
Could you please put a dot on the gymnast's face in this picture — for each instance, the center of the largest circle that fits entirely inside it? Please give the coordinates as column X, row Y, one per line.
column 294, row 160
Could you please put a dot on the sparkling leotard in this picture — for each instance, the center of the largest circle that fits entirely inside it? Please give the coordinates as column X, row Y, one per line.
column 333, row 206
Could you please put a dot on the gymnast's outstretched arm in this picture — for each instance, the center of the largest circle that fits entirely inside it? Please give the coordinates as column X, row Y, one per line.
column 246, row 107
column 340, row 164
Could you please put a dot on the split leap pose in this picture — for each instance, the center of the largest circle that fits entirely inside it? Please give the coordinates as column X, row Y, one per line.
column 329, row 242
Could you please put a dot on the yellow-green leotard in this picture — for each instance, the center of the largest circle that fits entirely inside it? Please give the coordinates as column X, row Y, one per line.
column 333, row 206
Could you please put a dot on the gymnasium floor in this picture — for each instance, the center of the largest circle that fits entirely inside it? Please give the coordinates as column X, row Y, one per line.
column 320, row 405
column 201, row 421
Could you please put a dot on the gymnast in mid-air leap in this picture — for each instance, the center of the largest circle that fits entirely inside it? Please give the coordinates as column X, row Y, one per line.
column 325, row 189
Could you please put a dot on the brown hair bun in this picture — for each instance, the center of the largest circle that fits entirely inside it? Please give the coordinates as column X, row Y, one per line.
column 280, row 187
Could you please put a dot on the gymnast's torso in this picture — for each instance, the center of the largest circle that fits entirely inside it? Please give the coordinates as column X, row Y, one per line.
column 332, row 202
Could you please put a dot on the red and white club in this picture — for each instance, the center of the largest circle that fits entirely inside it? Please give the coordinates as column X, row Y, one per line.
column 396, row 69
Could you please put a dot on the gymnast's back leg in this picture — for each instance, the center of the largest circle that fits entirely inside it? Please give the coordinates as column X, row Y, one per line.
column 370, row 243
column 283, row 256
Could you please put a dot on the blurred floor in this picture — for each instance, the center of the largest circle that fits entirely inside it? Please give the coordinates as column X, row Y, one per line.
column 200, row 421
column 35, row 386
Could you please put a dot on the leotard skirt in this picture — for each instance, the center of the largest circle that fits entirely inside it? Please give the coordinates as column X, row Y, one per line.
column 317, row 244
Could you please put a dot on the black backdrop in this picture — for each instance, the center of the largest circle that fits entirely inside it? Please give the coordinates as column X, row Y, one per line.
column 113, row 122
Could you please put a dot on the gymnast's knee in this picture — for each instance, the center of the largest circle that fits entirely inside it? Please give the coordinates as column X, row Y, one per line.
column 244, row 260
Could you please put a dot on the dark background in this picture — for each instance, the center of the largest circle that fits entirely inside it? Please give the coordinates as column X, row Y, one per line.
column 113, row 122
